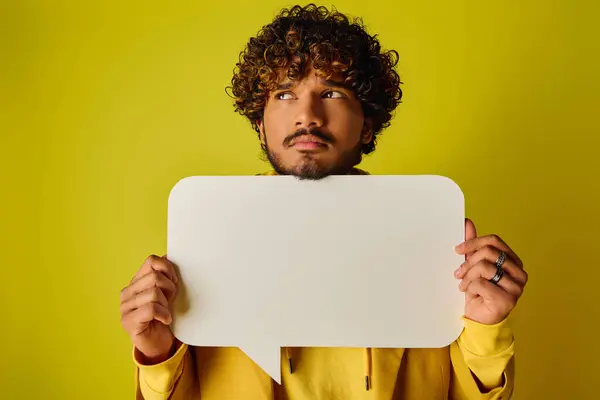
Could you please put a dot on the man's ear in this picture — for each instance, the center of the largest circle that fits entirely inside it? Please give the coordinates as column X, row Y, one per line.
column 261, row 130
column 367, row 132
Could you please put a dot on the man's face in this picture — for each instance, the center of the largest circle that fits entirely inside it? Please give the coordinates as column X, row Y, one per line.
column 313, row 128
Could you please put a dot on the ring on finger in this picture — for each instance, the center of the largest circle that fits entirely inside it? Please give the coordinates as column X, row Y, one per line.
column 501, row 259
column 499, row 274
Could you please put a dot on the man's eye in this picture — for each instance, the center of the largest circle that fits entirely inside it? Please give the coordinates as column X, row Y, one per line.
column 282, row 96
column 334, row 95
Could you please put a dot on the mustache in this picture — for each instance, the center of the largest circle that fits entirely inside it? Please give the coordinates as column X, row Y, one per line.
column 305, row 132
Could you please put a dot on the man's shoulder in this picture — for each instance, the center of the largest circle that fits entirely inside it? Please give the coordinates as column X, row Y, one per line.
column 357, row 171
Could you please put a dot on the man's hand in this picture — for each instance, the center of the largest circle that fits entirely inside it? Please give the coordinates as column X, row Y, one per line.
column 145, row 313
column 486, row 302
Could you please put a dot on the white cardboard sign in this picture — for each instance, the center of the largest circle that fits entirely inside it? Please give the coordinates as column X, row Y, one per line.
column 347, row 261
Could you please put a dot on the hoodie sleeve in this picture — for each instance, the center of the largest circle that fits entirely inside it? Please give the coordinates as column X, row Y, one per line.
column 172, row 379
column 482, row 362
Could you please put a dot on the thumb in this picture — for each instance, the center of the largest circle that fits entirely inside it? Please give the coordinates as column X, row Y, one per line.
column 470, row 232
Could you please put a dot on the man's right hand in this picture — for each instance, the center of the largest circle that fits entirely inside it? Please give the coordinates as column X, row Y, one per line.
column 145, row 312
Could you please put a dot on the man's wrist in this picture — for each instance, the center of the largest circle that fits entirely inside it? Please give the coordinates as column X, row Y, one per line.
column 159, row 358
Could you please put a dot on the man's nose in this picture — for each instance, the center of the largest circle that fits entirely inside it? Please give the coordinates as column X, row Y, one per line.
column 310, row 113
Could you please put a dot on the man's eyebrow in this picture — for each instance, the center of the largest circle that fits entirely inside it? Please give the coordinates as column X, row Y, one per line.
column 335, row 84
column 284, row 86
column 327, row 82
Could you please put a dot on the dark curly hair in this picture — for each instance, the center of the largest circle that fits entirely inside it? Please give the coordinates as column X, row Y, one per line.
column 333, row 44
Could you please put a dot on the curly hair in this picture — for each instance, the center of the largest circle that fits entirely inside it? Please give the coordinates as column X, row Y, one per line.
column 332, row 44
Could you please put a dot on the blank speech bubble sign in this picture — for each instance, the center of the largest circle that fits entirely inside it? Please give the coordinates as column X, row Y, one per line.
column 346, row 261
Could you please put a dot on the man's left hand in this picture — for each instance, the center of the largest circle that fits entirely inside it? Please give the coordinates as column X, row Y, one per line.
column 486, row 302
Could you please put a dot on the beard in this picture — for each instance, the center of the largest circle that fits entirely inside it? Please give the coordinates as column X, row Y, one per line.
column 310, row 167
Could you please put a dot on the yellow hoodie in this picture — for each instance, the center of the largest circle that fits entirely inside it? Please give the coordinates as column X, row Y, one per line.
column 478, row 365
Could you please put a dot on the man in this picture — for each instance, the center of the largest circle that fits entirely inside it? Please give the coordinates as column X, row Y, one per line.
column 318, row 90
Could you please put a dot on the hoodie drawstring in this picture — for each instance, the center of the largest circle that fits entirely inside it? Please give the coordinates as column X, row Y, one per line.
column 368, row 361
column 288, row 354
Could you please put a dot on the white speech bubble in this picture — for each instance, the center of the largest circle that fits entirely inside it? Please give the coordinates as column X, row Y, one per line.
column 347, row 261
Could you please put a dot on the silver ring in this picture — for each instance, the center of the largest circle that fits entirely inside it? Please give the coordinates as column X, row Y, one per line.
column 501, row 259
column 499, row 274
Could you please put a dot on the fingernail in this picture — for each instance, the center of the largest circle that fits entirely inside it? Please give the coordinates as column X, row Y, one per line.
column 457, row 271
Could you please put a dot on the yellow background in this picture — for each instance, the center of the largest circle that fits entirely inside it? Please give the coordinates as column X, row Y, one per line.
column 104, row 107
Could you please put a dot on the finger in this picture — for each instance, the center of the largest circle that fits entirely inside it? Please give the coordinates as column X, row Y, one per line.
column 139, row 317
column 496, row 299
column 473, row 245
column 156, row 263
column 470, row 230
column 491, row 254
column 470, row 234
column 486, row 270
column 151, row 279
column 152, row 295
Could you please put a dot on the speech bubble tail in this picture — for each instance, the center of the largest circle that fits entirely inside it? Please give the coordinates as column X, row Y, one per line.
column 266, row 356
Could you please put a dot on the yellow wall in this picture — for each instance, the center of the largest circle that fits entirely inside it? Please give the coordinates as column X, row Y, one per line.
column 103, row 107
